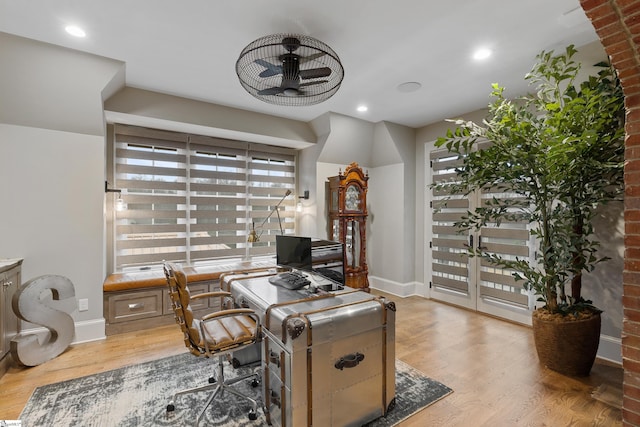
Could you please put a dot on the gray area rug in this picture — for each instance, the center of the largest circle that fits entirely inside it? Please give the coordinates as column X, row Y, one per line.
column 137, row 395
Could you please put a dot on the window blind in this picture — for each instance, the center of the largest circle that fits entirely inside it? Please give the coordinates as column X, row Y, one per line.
column 192, row 198
column 271, row 174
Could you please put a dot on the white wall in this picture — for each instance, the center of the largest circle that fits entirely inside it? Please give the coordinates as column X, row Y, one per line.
column 162, row 111
column 52, row 87
column 52, row 186
column 386, row 241
column 52, row 179
column 311, row 219
column 401, row 141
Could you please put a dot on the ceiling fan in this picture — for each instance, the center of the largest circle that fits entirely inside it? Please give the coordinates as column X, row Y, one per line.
column 282, row 66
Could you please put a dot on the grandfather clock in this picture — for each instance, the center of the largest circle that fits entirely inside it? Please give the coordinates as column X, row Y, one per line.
column 347, row 222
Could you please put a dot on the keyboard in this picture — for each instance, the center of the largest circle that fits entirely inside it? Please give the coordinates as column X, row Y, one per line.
column 290, row 280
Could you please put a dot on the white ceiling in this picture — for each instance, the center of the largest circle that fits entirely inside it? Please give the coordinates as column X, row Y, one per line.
column 189, row 48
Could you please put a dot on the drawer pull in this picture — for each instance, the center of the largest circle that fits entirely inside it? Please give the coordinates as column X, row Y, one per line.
column 273, row 358
column 349, row 361
column 136, row 306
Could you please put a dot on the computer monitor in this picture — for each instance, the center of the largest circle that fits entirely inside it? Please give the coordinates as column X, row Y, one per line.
column 293, row 252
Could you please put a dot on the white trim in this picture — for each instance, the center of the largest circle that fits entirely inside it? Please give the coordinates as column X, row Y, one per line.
column 85, row 331
column 505, row 311
column 89, row 330
column 427, row 220
column 610, row 349
column 396, row 288
column 175, row 126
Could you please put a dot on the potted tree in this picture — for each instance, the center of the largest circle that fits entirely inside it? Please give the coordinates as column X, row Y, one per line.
column 560, row 151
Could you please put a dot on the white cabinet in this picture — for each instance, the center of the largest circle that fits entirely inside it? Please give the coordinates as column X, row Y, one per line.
column 10, row 279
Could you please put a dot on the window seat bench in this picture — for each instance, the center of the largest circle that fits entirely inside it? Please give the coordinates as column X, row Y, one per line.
column 139, row 300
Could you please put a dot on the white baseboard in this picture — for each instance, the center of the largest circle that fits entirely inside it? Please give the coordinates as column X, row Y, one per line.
column 610, row 349
column 394, row 288
column 85, row 331
column 89, row 330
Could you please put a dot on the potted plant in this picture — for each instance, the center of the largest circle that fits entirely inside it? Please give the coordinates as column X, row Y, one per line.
column 560, row 151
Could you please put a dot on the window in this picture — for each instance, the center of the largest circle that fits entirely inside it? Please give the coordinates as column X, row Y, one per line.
column 192, row 198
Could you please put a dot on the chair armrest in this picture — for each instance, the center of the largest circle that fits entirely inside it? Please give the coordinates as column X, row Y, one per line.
column 211, row 294
column 227, row 313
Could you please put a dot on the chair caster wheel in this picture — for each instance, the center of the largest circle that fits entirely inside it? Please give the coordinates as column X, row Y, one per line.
column 255, row 383
column 171, row 407
column 253, row 415
column 212, row 380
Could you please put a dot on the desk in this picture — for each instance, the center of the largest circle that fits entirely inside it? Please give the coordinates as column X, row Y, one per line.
column 328, row 358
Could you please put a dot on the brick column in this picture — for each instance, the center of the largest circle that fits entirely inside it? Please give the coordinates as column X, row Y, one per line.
column 617, row 23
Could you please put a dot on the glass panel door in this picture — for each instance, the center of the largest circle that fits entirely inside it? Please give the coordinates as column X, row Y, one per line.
column 454, row 276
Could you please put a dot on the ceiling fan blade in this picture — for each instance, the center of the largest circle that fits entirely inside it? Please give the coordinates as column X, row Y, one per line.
column 271, row 91
column 304, row 59
column 316, row 82
column 314, row 73
column 289, row 88
column 270, row 69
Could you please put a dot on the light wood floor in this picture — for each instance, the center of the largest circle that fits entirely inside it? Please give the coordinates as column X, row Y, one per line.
column 490, row 364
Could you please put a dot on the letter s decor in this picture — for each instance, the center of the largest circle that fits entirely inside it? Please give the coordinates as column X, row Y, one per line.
column 42, row 301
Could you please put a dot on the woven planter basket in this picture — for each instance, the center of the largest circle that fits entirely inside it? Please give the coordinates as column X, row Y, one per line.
column 568, row 347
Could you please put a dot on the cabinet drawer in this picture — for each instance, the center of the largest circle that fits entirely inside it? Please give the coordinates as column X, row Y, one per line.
column 194, row 289
column 135, row 305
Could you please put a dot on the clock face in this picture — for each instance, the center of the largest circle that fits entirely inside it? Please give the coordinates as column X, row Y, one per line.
column 352, row 198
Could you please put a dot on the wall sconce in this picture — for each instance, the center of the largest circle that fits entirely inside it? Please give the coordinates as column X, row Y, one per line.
column 305, row 195
column 119, row 205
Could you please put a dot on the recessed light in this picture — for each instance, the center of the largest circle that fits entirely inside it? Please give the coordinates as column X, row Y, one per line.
column 362, row 108
column 482, row 53
column 75, row 31
column 409, row 87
